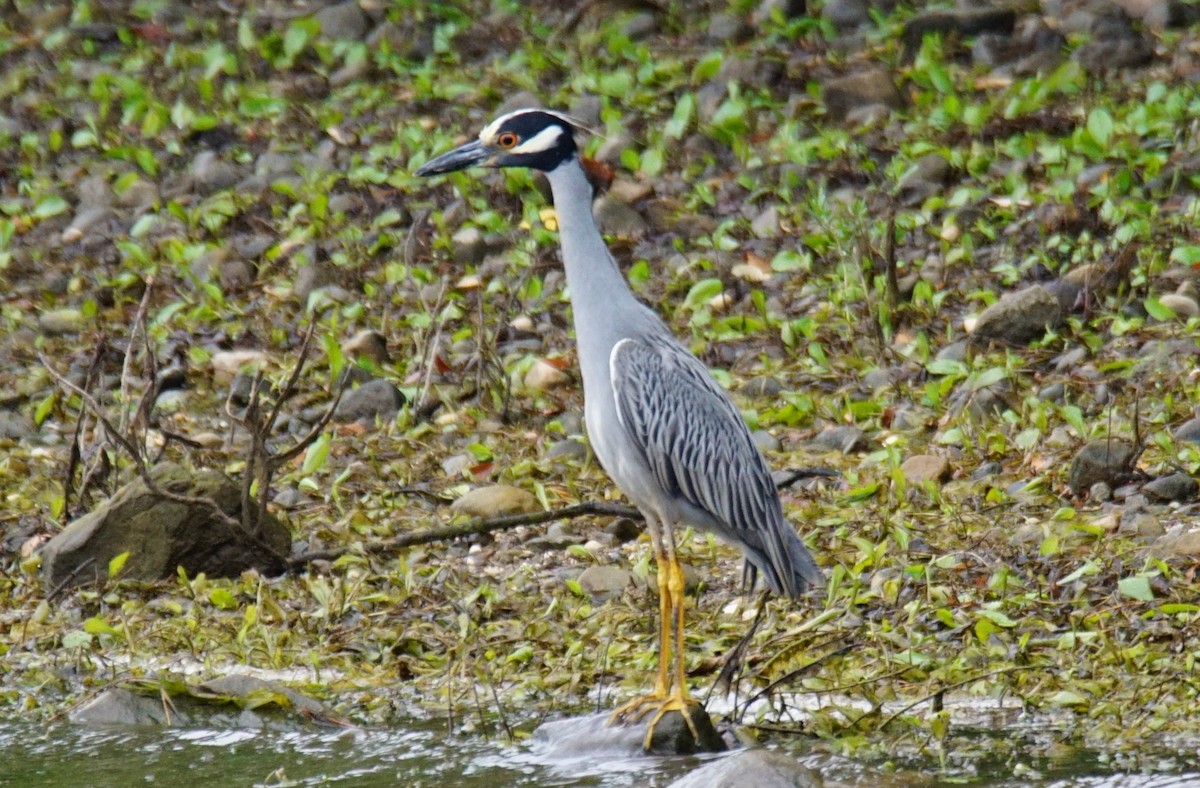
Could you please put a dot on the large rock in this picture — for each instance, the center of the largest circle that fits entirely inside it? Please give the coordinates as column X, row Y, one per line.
column 499, row 500
column 845, row 96
column 759, row 768
column 595, row 735
column 1107, row 460
column 161, row 534
column 1019, row 318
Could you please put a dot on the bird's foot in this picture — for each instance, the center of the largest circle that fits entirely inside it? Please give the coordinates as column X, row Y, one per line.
column 661, row 705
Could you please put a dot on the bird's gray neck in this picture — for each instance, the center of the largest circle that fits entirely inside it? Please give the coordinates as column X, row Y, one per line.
column 592, row 275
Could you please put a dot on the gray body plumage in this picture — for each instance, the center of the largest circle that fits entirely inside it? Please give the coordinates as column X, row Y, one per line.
column 661, row 426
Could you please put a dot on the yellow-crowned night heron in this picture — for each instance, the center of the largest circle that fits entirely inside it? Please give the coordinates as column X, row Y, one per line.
column 665, row 431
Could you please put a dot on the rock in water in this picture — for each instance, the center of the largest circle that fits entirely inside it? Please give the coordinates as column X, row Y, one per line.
column 161, row 534
column 760, row 768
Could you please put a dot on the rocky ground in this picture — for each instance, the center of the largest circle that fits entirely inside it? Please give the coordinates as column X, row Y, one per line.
column 949, row 253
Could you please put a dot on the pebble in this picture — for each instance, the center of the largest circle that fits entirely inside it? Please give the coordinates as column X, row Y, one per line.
column 987, row 470
column 603, row 581
column 1183, row 306
column 367, row 344
column 57, row 322
column 623, row 529
column 766, row 224
column 1019, row 318
column 1189, row 431
column 558, row 536
column 843, row 438
column 1102, row 460
column 227, row 363
column 922, row 468
column 567, row 450
column 14, row 426
column 212, row 174
column 455, row 465
column 1178, row 542
column 543, row 375
column 758, row 767
column 727, row 28
column 617, row 219
column 641, row 25
column 927, row 177
column 1139, row 522
column 497, row 500
column 375, row 400
column 1173, row 487
column 342, row 21
column 468, row 246
column 871, row 87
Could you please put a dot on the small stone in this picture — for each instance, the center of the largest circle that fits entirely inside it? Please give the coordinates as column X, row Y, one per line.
column 765, row 441
column 139, row 195
column 342, row 21
column 469, row 246
column 756, row 767
column 766, row 224
column 557, row 537
column 927, row 177
column 374, row 400
column 228, row 363
column 1188, row 431
column 368, row 344
column 496, row 501
column 211, row 174
column 1178, row 543
column 1019, row 318
column 846, row 14
column 617, row 219
column 1174, row 487
column 787, row 9
column 1183, row 306
column 1139, row 522
column 1106, row 460
column 57, row 322
column 1100, row 492
column 641, row 25
column 457, row 464
column 603, row 581
column 987, row 470
column 955, row 351
column 566, row 450
column 543, row 375
column 922, row 468
column 1054, row 392
column 624, row 529
column 844, row 438
column 763, row 387
column 871, row 87
column 209, row 439
column 85, row 220
column 726, row 28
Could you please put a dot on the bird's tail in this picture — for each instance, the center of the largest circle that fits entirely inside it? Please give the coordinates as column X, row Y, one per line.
column 786, row 565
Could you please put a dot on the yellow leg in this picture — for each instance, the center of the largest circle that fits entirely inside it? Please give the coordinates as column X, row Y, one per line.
column 670, row 690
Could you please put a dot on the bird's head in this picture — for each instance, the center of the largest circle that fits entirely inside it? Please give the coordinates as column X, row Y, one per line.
column 534, row 138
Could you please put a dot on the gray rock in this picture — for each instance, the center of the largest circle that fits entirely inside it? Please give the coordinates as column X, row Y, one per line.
column 212, row 174
column 756, row 767
column 766, row 224
column 586, row 109
column 342, row 21
column 367, row 344
column 1183, row 306
column 1100, row 492
column 139, row 195
column 787, row 9
column 847, row 14
column 1053, row 392
column 959, row 23
column 124, row 707
column 1189, row 431
column 1107, row 460
column 955, row 351
column 871, row 87
column 414, row 42
column 843, row 438
column 617, row 219
column 14, row 426
column 928, row 176
column 1139, row 522
column 57, row 322
column 988, row 469
column 762, row 387
column 604, row 581
column 469, row 246
column 238, row 687
column 1019, row 318
column 592, row 736
column 567, row 450
column 1180, row 542
column 376, row 399
column 765, row 441
column 1174, row 487
column 161, row 534
column 558, row 536
column 726, row 28
column 641, row 25
column 624, row 529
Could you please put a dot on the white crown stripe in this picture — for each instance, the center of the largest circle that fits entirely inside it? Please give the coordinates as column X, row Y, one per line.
column 544, row 140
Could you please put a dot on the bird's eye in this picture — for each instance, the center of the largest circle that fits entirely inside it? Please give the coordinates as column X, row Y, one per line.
column 507, row 140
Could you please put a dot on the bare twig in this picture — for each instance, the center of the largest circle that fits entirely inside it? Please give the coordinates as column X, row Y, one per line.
column 66, row 581
column 447, row 532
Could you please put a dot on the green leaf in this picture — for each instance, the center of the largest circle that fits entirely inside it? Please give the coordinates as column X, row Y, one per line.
column 1174, row 608
column 1067, row 698
column 98, row 626
column 1158, row 310
column 50, row 206
column 988, row 377
column 1100, row 126
column 996, row 617
column 1136, row 587
column 946, row 366
column 223, row 598
column 117, row 564
column 314, row 458
column 702, row 292
column 677, row 126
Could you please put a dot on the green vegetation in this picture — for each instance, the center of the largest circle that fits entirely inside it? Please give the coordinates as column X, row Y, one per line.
column 256, row 175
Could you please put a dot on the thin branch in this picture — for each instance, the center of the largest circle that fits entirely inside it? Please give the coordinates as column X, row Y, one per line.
column 941, row 690
column 447, row 532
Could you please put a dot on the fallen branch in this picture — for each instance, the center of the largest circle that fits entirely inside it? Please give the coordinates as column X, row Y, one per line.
column 447, row 532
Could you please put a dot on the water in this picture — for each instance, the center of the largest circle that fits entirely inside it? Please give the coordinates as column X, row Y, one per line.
column 421, row 754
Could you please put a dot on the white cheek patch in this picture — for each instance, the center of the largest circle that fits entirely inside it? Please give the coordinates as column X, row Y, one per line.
column 544, row 140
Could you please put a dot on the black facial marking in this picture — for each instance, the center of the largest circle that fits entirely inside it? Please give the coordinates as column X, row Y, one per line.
column 528, row 125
